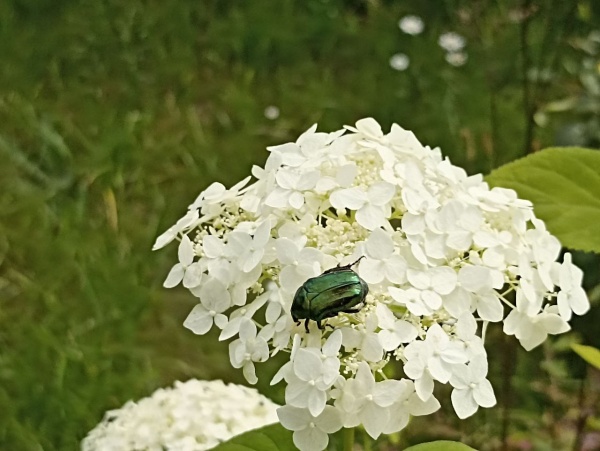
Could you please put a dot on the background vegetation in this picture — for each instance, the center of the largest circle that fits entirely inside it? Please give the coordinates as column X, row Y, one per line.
column 114, row 115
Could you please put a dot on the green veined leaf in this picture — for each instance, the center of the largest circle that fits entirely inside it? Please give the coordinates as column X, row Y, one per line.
column 588, row 353
column 564, row 185
column 269, row 438
column 441, row 445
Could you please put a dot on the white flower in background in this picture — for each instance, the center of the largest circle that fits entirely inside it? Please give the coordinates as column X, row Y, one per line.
column 271, row 112
column 412, row 25
column 456, row 59
column 442, row 254
column 452, row 42
column 399, row 62
column 193, row 416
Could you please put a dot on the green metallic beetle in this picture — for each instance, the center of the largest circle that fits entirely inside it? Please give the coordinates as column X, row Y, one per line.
column 337, row 290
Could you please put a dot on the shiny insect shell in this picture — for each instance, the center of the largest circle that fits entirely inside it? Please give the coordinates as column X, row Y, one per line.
column 335, row 291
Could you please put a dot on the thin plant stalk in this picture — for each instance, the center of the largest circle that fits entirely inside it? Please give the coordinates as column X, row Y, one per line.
column 348, row 439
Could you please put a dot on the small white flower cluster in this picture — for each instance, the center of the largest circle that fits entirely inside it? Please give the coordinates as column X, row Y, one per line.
column 411, row 24
column 193, row 416
column 399, row 62
column 443, row 255
column 451, row 42
column 454, row 45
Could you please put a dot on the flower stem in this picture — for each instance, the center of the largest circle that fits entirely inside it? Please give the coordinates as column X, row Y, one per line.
column 348, row 439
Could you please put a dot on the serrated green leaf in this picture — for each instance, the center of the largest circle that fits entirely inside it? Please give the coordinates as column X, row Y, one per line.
column 441, row 445
column 269, row 438
column 588, row 353
column 564, row 185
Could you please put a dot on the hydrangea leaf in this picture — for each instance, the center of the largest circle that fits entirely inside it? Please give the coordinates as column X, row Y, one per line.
column 564, row 185
column 268, row 438
column 588, row 353
column 441, row 445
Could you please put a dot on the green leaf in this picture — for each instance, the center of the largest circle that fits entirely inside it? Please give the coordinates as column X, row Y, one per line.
column 268, row 438
column 564, row 185
column 588, row 353
column 441, row 445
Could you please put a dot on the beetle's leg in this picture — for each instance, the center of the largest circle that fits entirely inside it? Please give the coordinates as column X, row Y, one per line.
column 329, row 325
column 359, row 259
column 338, row 267
column 306, row 325
column 298, row 322
column 319, row 325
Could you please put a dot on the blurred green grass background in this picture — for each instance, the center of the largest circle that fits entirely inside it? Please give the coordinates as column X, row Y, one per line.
column 115, row 115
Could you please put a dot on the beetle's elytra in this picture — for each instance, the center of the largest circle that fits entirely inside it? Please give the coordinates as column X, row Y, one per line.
column 337, row 290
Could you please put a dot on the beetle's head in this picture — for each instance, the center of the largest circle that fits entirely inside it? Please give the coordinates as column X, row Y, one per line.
column 301, row 304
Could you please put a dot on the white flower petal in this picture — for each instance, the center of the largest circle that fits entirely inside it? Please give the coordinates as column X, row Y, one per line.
column 554, row 324
column 293, row 418
column 489, row 307
column 463, row 403
column 333, row 343
column 443, row 279
column 175, row 276
column 310, row 439
column 316, row 402
column 193, row 275
column 374, row 419
column 371, row 270
column 370, row 217
column 379, row 245
column 296, row 200
column 369, row 127
column 424, row 386
column 329, row 420
column 307, row 364
column 352, row 198
column 483, row 394
column 389, row 340
column 212, row 246
column 395, row 269
column 372, row 350
column 186, row 251
column 249, row 373
column 199, row 320
column 381, row 193
column 417, row 407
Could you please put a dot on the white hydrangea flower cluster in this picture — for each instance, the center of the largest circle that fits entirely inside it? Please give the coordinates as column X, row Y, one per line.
column 443, row 255
column 193, row 416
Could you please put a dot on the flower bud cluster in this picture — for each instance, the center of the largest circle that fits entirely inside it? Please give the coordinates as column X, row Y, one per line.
column 193, row 416
column 443, row 255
